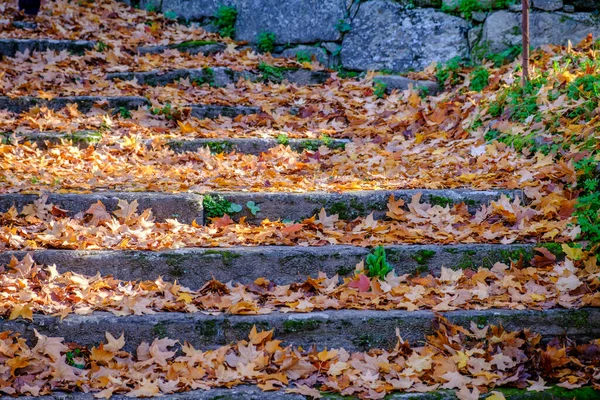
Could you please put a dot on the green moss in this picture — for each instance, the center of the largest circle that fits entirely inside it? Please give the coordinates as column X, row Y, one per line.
column 554, row 248
column 466, row 262
column 423, row 256
column 227, row 256
column 577, row 318
column 160, row 330
column 175, row 261
column 207, row 329
column 363, row 341
column 272, row 73
column 246, row 327
column 208, row 77
column 554, row 393
column 300, row 325
column 192, row 43
column 90, row 137
column 395, row 256
column 344, row 271
column 506, row 256
column 341, row 209
column 421, row 270
column 440, row 201
column 310, row 145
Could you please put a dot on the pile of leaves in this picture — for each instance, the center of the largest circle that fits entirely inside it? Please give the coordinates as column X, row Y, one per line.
column 473, row 361
column 504, row 221
column 27, row 288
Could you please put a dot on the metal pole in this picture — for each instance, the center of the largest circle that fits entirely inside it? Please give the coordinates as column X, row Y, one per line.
column 525, row 26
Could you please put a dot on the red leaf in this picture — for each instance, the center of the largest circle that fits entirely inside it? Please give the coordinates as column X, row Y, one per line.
column 363, row 284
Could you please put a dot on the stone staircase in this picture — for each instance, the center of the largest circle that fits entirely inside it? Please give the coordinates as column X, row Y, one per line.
column 192, row 267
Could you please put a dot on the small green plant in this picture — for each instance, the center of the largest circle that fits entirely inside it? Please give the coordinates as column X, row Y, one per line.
column 224, row 20
column 265, row 42
column 101, row 46
column 343, row 26
column 327, row 141
column 70, row 357
column 587, row 208
column 253, row 207
column 467, row 7
column 270, row 73
column 310, row 145
column 379, row 89
column 480, row 78
column 218, row 147
column 167, row 111
column 283, row 139
column 505, row 56
column 150, row 8
column 170, row 15
column 303, row 56
column 376, row 265
column 208, row 77
column 449, row 72
column 423, row 91
column 217, row 206
column 124, row 112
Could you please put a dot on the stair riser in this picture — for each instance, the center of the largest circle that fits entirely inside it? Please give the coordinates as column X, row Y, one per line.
column 281, row 264
column 185, row 207
column 219, row 77
column 10, row 47
column 244, row 146
column 274, row 206
column 84, row 103
column 350, row 329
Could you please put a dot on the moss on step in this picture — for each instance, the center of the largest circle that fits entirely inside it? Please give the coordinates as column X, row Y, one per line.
column 554, row 393
column 226, row 256
column 160, row 330
column 300, row 325
column 176, row 262
column 423, row 256
column 89, row 137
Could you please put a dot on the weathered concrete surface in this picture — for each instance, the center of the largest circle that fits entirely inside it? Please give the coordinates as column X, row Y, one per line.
column 219, row 76
column 10, row 47
column 274, row 206
column 184, row 206
column 352, row 204
column 502, row 29
column 195, row 9
column 81, row 139
column 548, row 5
column 247, row 146
column 399, row 82
column 187, row 47
column 281, row 264
column 214, row 111
column 292, row 21
column 384, row 35
column 84, row 139
column 161, row 78
column 84, row 103
column 350, row 329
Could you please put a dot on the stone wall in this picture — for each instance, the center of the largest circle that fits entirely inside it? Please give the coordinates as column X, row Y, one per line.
column 393, row 35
